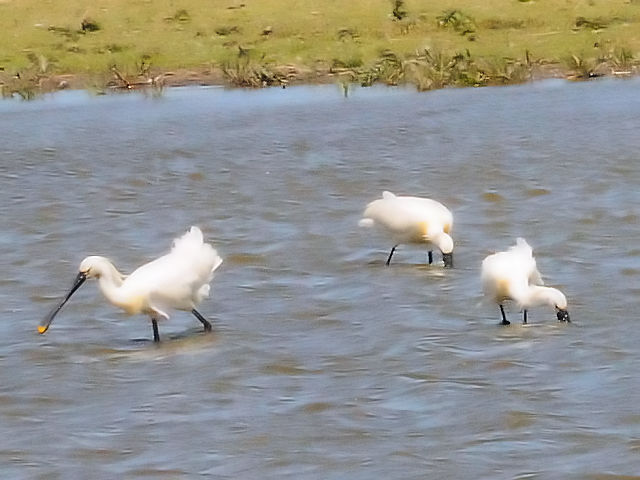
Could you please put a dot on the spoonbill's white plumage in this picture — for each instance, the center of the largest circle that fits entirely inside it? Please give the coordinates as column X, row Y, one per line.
column 178, row 280
column 513, row 275
column 412, row 220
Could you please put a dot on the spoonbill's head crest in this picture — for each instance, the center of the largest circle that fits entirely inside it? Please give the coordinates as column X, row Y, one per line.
column 92, row 266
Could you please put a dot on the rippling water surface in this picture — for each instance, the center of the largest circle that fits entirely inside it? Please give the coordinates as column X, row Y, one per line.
column 323, row 362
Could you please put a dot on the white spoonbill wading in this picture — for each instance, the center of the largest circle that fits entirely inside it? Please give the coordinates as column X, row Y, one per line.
column 412, row 220
column 178, row 280
column 513, row 275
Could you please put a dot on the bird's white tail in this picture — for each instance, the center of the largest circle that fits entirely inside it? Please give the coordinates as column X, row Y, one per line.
column 522, row 246
column 192, row 239
column 191, row 244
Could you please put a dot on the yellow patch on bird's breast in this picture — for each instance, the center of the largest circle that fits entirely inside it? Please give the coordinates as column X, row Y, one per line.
column 133, row 305
column 502, row 288
column 423, row 229
column 447, row 228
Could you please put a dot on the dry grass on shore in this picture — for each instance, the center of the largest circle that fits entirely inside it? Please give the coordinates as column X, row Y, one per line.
column 127, row 43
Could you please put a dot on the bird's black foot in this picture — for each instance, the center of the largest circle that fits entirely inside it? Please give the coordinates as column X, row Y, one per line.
column 156, row 335
column 391, row 254
column 204, row 321
column 447, row 258
column 504, row 317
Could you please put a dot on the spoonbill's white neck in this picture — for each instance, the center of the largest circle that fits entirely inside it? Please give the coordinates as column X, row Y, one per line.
column 443, row 241
column 109, row 278
column 535, row 295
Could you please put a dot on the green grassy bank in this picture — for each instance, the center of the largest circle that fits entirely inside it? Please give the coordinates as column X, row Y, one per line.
column 52, row 43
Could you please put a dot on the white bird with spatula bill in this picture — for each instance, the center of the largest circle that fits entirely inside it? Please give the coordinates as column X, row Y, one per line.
column 178, row 280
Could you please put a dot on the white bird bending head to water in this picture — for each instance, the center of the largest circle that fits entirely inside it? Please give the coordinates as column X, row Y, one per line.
column 412, row 220
column 513, row 275
column 178, row 280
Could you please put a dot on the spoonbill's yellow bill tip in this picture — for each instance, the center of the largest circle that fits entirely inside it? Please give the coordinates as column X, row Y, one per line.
column 41, row 329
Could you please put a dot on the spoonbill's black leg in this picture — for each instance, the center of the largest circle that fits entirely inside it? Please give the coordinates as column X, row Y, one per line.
column 504, row 317
column 156, row 335
column 391, row 254
column 430, row 253
column 204, row 321
column 447, row 258
column 524, row 316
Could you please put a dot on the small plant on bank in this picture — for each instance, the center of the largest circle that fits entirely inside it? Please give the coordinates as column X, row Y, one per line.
column 399, row 12
column 243, row 71
column 508, row 71
column 180, row 16
column 389, row 69
column 89, row 25
column 595, row 24
column 436, row 69
column 27, row 82
column 458, row 21
column 623, row 57
column 346, row 34
column 225, row 30
column 144, row 66
column 349, row 63
column 23, row 85
column 584, row 68
column 621, row 60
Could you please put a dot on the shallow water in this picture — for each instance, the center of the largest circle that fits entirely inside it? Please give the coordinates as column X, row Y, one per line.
column 323, row 362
